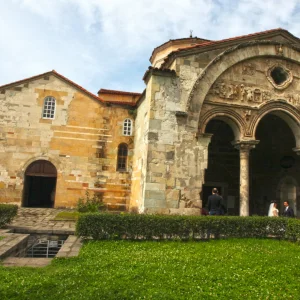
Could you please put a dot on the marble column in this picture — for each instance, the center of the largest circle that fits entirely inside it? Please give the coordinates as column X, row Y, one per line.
column 244, row 147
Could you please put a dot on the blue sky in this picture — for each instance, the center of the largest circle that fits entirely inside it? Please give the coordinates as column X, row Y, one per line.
column 108, row 43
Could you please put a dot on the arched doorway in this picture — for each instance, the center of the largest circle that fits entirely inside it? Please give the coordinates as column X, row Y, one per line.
column 223, row 165
column 40, row 183
column 271, row 162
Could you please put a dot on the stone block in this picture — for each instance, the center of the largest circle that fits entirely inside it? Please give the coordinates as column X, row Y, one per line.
column 154, row 186
column 155, row 124
column 157, row 195
column 170, row 155
column 172, row 204
column 152, row 136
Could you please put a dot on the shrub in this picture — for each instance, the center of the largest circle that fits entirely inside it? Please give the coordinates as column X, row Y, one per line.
column 155, row 227
column 293, row 229
column 90, row 203
column 7, row 213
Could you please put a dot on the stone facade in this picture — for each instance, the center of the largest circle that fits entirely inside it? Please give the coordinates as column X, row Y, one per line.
column 193, row 86
column 229, row 80
column 81, row 142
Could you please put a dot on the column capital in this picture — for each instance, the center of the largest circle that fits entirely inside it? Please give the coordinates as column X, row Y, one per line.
column 204, row 135
column 297, row 150
column 245, row 146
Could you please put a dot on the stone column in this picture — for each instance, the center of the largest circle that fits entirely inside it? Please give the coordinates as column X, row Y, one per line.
column 244, row 147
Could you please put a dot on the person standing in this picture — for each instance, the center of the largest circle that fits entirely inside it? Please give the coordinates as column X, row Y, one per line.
column 214, row 203
column 273, row 211
column 288, row 211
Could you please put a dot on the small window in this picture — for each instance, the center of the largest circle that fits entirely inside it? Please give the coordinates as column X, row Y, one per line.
column 49, row 108
column 127, row 127
column 122, row 157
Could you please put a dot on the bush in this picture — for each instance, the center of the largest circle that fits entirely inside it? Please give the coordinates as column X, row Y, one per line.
column 7, row 213
column 156, row 227
column 293, row 229
column 90, row 204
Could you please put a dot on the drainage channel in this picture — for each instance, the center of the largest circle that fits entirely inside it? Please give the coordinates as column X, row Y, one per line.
column 36, row 249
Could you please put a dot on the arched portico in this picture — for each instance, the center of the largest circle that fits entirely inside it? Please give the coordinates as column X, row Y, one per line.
column 242, row 101
column 228, row 59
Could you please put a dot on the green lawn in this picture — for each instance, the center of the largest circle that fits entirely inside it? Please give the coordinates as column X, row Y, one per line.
column 67, row 216
column 223, row 269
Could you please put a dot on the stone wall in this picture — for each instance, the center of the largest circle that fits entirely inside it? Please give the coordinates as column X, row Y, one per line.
column 81, row 141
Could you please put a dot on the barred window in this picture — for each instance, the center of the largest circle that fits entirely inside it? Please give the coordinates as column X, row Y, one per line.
column 49, row 108
column 122, row 157
column 127, row 127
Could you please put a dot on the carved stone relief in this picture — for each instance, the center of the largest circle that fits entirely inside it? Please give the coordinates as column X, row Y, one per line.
column 256, row 89
column 250, row 95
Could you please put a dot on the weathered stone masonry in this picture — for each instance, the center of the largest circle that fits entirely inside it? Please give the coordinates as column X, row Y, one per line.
column 191, row 84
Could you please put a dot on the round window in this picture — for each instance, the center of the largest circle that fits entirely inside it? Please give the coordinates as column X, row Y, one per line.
column 279, row 76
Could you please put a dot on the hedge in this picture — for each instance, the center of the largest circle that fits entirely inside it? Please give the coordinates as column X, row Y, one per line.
column 7, row 213
column 157, row 227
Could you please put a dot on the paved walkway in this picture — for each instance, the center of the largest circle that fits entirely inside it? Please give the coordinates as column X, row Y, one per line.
column 41, row 220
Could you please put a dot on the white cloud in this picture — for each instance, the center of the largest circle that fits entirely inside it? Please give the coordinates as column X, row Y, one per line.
column 107, row 43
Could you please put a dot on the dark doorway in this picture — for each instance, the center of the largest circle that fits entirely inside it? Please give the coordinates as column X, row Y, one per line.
column 223, row 166
column 40, row 183
column 271, row 162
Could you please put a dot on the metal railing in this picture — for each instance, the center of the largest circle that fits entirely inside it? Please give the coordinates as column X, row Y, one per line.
column 45, row 248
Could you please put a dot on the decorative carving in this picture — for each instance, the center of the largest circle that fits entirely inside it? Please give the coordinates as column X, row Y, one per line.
column 179, row 113
column 266, row 96
column 245, row 146
column 248, row 69
column 250, row 95
column 233, row 91
column 257, row 97
column 242, row 92
column 247, row 114
column 279, row 50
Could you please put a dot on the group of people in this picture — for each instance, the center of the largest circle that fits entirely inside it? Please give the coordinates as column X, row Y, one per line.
column 274, row 212
column 216, row 206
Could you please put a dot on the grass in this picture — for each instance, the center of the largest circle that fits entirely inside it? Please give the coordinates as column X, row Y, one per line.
column 67, row 216
column 1, row 238
column 221, row 269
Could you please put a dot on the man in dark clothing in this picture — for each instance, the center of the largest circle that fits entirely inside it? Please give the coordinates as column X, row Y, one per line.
column 288, row 211
column 214, row 203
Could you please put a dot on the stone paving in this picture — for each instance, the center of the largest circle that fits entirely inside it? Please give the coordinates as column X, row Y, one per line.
column 26, row 262
column 41, row 220
column 37, row 221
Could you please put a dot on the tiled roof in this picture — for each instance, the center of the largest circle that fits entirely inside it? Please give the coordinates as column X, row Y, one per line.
column 190, row 39
column 53, row 72
column 105, row 91
column 237, row 38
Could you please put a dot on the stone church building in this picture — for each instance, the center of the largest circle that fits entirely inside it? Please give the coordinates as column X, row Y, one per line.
column 222, row 114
